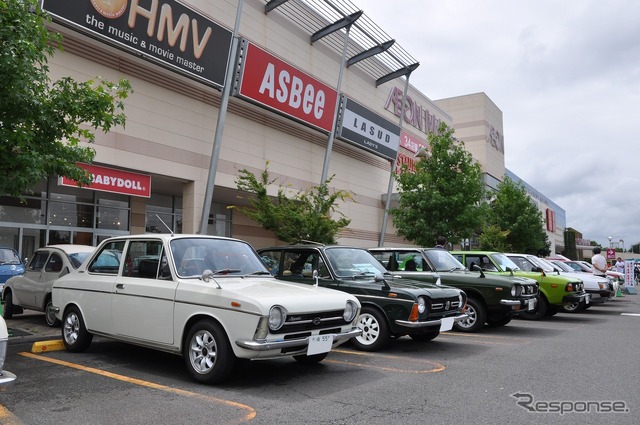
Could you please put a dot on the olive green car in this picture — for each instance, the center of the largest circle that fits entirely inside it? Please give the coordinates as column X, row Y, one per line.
column 491, row 299
column 391, row 307
column 555, row 290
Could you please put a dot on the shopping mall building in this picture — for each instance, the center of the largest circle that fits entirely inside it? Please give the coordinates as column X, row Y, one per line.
column 297, row 91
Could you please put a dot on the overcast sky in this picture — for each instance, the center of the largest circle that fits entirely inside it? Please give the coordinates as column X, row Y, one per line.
column 566, row 76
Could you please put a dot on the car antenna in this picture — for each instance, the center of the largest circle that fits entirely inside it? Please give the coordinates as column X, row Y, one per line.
column 165, row 224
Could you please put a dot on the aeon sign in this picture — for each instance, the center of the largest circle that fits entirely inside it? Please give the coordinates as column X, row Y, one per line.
column 115, row 181
column 414, row 114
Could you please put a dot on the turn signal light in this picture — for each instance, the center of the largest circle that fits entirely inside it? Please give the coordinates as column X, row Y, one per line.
column 413, row 317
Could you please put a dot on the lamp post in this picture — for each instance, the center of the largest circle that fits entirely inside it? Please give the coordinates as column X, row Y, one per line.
column 622, row 244
column 610, row 244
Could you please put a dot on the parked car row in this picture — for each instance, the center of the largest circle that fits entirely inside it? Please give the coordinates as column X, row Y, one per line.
column 214, row 300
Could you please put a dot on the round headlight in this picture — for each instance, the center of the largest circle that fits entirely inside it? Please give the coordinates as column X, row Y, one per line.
column 350, row 311
column 422, row 305
column 462, row 299
column 277, row 317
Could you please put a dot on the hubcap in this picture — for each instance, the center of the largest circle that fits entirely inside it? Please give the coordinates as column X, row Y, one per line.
column 370, row 329
column 471, row 320
column 203, row 351
column 71, row 328
column 50, row 315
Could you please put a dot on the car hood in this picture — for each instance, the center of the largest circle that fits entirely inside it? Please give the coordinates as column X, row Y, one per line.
column 261, row 293
column 419, row 287
column 9, row 270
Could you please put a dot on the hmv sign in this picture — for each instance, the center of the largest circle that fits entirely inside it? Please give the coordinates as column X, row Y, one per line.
column 164, row 31
column 364, row 128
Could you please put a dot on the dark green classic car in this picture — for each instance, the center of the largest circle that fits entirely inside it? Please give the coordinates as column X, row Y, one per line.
column 391, row 307
column 490, row 299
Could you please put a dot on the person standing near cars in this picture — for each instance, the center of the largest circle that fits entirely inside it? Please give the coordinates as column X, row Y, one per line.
column 441, row 241
column 620, row 265
column 598, row 262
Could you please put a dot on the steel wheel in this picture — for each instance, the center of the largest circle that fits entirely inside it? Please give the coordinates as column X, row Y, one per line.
column 50, row 315
column 573, row 307
column 476, row 317
column 74, row 334
column 375, row 331
column 207, row 352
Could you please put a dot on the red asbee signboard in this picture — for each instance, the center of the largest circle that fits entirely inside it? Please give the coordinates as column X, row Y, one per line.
column 279, row 86
column 115, row 181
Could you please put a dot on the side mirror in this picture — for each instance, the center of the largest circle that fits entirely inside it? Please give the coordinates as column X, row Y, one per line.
column 315, row 276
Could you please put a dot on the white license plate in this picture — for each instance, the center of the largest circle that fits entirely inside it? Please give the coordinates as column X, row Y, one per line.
column 532, row 305
column 319, row 344
column 587, row 299
column 446, row 324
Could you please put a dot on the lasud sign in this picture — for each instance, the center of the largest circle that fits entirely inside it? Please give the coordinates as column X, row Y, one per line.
column 279, row 86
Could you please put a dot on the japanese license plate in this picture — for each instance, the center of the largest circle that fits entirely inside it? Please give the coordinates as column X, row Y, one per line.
column 446, row 324
column 532, row 304
column 587, row 299
column 319, row 344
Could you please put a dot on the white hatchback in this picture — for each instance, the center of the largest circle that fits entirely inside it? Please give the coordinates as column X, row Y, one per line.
column 210, row 299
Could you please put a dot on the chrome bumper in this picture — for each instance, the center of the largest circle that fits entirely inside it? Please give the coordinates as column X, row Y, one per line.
column 520, row 303
column 428, row 323
column 276, row 345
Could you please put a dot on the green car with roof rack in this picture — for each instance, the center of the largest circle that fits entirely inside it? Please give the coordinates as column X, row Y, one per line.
column 554, row 290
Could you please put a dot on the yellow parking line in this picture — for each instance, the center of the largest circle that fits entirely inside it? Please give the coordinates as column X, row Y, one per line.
column 8, row 418
column 437, row 367
column 248, row 417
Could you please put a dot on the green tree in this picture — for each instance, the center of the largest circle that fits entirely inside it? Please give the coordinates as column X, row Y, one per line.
column 493, row 238
column 513, row 210
column 42, row 122
column 306, row 215
column 443, row 196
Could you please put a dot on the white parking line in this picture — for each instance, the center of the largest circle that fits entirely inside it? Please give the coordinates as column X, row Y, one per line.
column 630, row 314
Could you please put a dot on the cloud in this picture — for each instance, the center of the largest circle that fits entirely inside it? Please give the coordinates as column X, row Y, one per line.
column 566, row 76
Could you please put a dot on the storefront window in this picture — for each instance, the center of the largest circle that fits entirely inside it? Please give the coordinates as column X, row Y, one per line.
column 72, row 215
column 164, row 208
column 220, row 221
column 31, row 210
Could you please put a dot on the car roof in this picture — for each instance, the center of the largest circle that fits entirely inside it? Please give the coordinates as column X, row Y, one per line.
column 169, row 237
column 69, row 248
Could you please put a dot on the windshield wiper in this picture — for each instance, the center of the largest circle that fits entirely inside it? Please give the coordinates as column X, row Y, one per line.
column 259, row 273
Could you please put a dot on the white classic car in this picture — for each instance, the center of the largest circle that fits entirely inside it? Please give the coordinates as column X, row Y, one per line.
column 6, row 378
column 210, row 299
column 32, row 289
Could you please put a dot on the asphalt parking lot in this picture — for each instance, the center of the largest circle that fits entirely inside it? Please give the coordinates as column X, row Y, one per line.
column 571, row 368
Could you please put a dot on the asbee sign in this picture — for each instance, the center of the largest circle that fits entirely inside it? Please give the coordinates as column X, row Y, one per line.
column 362, row 127
column 115, row 181
column 276, row 85
column 164, row 31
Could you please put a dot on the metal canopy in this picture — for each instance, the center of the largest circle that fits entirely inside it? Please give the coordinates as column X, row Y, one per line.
column 369, row 46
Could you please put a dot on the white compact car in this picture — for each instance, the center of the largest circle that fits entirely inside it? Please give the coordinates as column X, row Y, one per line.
column 32, row 289
column 6, row 378
column 208, row 298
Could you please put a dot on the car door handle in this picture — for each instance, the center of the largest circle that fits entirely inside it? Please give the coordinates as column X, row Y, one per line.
column 120, row 286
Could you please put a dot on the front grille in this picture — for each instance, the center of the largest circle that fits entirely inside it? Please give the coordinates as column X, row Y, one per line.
column 311, row 321
column 445, row 305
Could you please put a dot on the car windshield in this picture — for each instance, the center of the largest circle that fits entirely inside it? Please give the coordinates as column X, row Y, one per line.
column 504, row 262
column 442, row 260
column 563, row 266
column 353, row 262
column 193, row 256
column 542, row 263
column 8, row 256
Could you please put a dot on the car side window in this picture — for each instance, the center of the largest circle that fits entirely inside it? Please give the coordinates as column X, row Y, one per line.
column 108, row 259
column 38, row 261
column 522, row 263
column 142, row 259
column 54, row 265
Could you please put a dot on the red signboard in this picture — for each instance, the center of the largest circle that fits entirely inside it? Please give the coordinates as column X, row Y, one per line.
column 411, row 142
column 611, row 254
column 277, row 85
column 115, row 181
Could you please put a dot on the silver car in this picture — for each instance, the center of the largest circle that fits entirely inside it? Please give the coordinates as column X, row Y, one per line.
column 32, row 290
